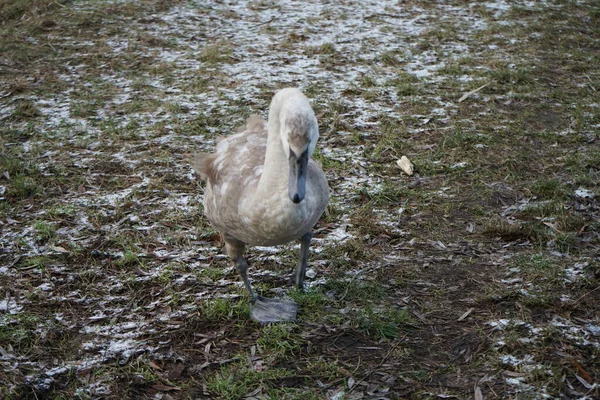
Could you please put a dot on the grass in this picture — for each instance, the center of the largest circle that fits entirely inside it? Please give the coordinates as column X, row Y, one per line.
column 39, row 262
column 311, row 301
column 552, row 188
column 20, row 333
column 213, row 274
column 548, row 275
column 390, row 193
column 383, row 325
column 44, row 230
column 129, row 259
column 278, row 340
column 215, row 53
column 113, row 272
column 346, row 254
column 223, row 309
column 22, row 176
column 239, row 379
column 355, row 291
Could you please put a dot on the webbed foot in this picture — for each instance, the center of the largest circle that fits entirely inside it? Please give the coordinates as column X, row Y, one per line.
column 265, row 310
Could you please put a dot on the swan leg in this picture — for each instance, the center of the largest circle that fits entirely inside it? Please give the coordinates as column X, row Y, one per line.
column 242, row 267
column 262, row 309
column 235, row 249
column 301, row 268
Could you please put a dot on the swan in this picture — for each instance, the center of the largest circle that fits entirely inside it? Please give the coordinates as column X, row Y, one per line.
column 264, row 189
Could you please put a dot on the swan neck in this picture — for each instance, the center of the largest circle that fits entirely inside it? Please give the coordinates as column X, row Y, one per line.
column 275, row 158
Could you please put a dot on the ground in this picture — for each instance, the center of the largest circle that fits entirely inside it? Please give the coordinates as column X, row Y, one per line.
column 476, row 277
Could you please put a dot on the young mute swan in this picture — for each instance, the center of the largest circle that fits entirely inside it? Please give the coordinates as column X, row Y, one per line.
column 264, row 189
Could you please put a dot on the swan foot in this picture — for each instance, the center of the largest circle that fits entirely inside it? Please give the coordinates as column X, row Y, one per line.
column 265, row 310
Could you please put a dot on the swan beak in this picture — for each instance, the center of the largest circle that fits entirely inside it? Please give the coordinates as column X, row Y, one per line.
column 297, row 184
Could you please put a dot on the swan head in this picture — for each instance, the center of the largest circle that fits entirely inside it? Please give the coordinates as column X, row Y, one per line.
column 299, row 139
column 299, row 133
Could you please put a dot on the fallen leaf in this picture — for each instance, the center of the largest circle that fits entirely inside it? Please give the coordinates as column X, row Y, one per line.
column 351, row 382
column 406, row 166
column 420, row 316
column 466, row 314
column 552, row 226
column 154, row 366
column 138, row 271
column 165, row 388
column 478, row 395
column 58, row 249
column 472, row 92
column 584, row 383
column 175, row 373
column 254, row 392
column 583, row 372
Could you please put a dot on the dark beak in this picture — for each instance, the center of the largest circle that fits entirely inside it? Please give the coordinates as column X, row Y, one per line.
column 297, row 184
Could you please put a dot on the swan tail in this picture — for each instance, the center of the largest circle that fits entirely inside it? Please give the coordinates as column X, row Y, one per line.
column 203, row 163
column 254, row 124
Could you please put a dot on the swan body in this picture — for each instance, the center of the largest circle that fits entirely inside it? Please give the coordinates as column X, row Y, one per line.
column 263, row 188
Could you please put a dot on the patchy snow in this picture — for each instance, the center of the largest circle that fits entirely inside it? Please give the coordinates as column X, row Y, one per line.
column 338, row 235
column 362, row 32
column 583, row 193
column 459, row 165
column 10, row 306
column 46, row 286
column 576, row 272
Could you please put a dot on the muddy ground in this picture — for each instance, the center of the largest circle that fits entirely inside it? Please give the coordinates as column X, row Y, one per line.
column 476, row 277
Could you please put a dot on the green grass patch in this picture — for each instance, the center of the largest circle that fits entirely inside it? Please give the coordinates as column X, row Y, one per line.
column 57, row 211
column 346, row 254
column 406, row 85
column 39, row 262
column 44, row 230
column 129, row 259
column 388, row 193
column 23, row 176
column 234, row 381
column 458, row 138
column 24, row 110
column 512, row 77
column 549, row 189
column 23, row 187
column 310, row 301
column 327, row 163
column 540, row 280
column 279, row 341
column 327, row 370
column 213, row 273
column 391, row 58
column 334, row 211
column 355, row 290
column 540, row 268
column 386, row 323
column 393, row 140
column 221, row 309
column 324, row 49
column 19, row 332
